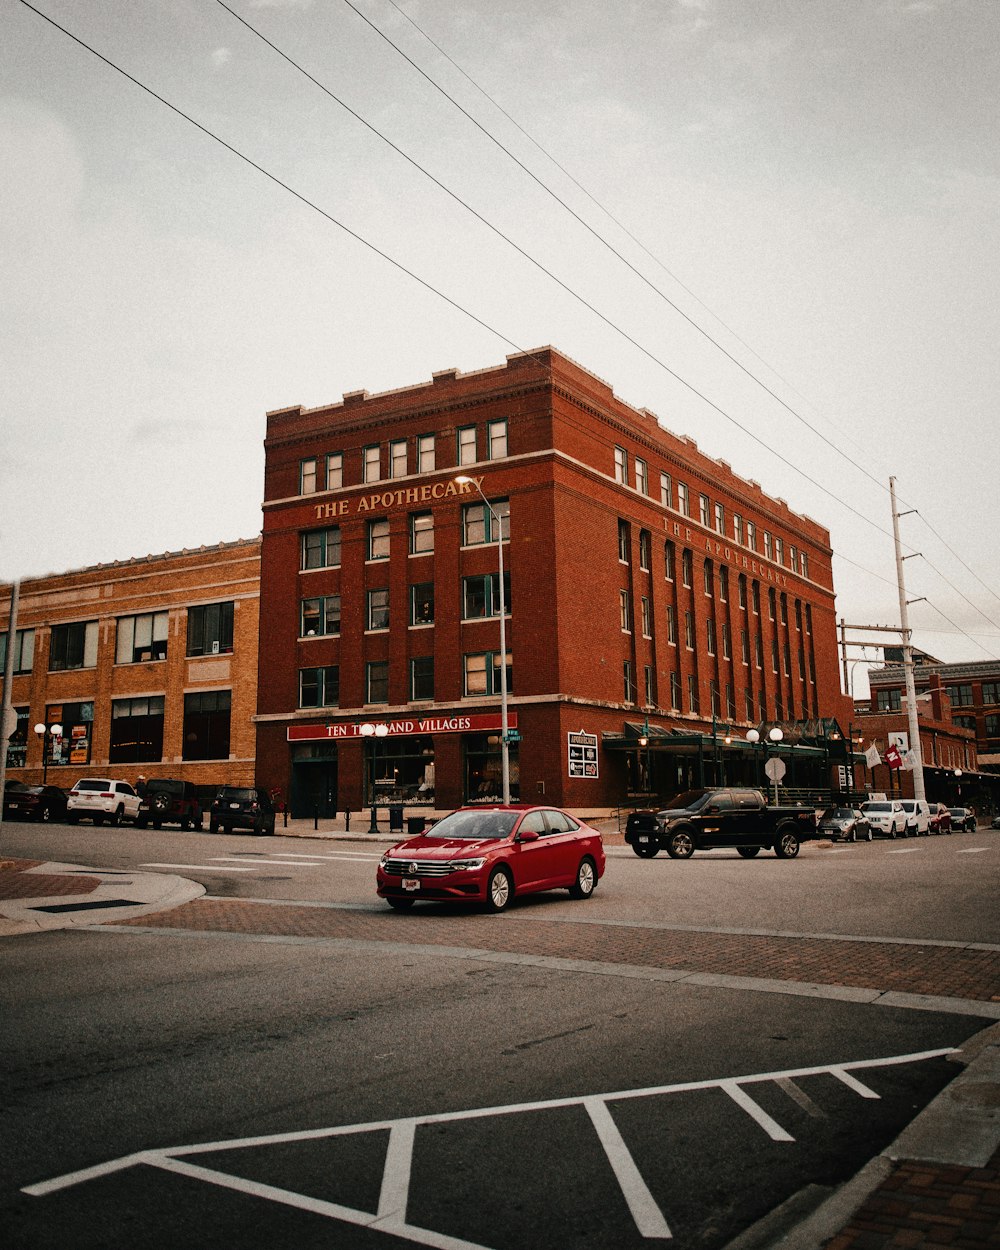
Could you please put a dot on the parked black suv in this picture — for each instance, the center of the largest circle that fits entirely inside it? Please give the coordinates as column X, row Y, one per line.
column 241, row 807
column 164, row 798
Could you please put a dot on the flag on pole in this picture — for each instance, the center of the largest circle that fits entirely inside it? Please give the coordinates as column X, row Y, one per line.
column 872, row 757
column 909, row 761
column 893, row 758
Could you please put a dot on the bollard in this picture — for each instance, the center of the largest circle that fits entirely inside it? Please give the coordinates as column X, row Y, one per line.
column 285, row 815
column 347, row 822
column 315, row 818
column 373, row 827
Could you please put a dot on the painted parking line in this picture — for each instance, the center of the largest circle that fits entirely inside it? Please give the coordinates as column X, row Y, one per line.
column 909, row 850
column 243, row 859
column 397, row 1165
column 372, row 855
column 198, row 867
column 974, row 850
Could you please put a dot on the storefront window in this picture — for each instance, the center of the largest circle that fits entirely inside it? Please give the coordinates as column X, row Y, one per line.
column 17, row 746
column 206, row 725
column 400, row 770
column 484, row 769
column 136, row 730
column 77, row 720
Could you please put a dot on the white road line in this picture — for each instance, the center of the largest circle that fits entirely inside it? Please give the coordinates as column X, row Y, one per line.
column 973, row 850
column 395, row 1191
column 852, row 1082
column 910, row 850
column 742, row 1099
column 647, row 1215
column 335, row 855
column 242, row 859
column 801, row 1097
column 199, row 867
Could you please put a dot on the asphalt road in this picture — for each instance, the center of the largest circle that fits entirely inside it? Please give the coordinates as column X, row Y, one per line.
column 160, row 1041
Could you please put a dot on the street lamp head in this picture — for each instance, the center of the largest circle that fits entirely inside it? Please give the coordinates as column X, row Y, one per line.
column 40, row 729
column 753, row 736
column 775, row 734
column 463, row 479
column 381, row 731
column 55, row 731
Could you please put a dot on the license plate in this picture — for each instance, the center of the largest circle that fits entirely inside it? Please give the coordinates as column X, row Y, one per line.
column 234, row 806
column 643, row 837
column 12, row 806
column 411, row 883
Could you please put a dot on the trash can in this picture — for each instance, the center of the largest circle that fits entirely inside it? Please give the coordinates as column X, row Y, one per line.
column 415, row 825
column 395, row 818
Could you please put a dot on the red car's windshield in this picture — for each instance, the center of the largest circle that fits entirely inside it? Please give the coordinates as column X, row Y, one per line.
column 475, row 825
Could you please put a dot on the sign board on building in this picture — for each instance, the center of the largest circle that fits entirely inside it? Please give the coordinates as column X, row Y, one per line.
column 582, row 754
column 402, row 726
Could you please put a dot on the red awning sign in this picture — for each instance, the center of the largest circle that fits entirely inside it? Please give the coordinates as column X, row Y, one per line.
column 404, row 726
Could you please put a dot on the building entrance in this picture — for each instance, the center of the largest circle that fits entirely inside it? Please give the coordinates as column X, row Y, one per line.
column 314, row 788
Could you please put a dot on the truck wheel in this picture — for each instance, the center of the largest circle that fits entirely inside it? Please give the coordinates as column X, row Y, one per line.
column 586, row 879
column 787, row 845
column 645, row 850
column 748, row 852
column 680, row 845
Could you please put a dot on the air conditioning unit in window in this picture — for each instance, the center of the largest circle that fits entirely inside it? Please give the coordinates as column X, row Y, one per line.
column 215, row 648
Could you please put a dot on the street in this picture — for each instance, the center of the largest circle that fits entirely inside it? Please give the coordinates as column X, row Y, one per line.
column 669, row 1061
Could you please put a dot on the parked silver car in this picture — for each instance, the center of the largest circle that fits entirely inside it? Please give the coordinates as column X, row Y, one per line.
column 886, row 817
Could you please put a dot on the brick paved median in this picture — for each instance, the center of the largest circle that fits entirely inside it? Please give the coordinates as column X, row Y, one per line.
column 945, row 971
column 17, row 882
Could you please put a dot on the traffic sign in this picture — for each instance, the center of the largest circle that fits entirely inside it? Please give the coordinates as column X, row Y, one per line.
column 775, row 768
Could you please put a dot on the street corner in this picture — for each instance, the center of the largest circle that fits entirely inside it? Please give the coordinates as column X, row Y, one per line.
column 37, row 896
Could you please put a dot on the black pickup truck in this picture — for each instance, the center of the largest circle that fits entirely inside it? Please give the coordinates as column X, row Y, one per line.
column 698, row 820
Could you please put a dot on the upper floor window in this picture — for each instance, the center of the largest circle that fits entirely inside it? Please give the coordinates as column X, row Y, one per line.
column 671, row 624
column 991, row 691
column 466, row 444
column 739, row 529
column 628, row 681
column 755, row 594
column 772, row 603
column 422, row 603
column 378, row 609
column 710, row 636
column 625, row 610
column 723, row 583
column 720, row 519
column 768, row 545
column 335, row 470
column 704, row 510
column 307, row 477
column 397, row 458
column 621, row 465
column 425, row 453
column 752, row 535
column 321, row 548
column 888, row 700
column 24, row 650
column 669, row 554
column 421, row 533
column 793, row 559
column 741, row 589
column 645, row 550
column 687, row 567
column 377, row 682
column 666, row 490
column 624, row 542
column 683, row 499
column 319, row 616
column 779, row 550
column 141, row 638
column 804, row 564
column 422, row 679
column 481, row 595
column 73, row 646
column 482, row 673
column 378, row 539
column 372, row 465
column 319, row 687
column 708, row 577
column 641, row 476
column 675, row 691
column 647, row 618
column 210, row 629
column 496, row 437
column 960, row 696
column 479, row 522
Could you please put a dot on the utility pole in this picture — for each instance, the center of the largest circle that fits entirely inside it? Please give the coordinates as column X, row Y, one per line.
column 911, row 690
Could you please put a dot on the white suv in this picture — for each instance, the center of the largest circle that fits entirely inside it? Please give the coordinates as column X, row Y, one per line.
column 102, row 799
column 918, row 814
column 886, row 817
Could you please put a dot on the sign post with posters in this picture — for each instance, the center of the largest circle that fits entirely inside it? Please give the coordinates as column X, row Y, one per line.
column 582, row 755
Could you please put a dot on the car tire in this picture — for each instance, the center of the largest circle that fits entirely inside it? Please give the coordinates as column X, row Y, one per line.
column 645, row 850
column 869, row 835
column 680, row 845
column 45, row 814
column 892, row 832
column 586, row 879
column 400, row 904
column 119, row 817
column 747, row 852
column 853, row 836
column 787, row 844
column 499, row 890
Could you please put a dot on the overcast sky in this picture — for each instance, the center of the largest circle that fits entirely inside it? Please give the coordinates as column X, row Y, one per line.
column 814, row 184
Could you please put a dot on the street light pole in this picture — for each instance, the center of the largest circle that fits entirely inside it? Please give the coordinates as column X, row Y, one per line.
column 46, row 734
column 504, row 742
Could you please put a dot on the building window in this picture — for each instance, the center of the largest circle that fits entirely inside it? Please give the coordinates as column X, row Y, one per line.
column 321, row 549
column 710, row 636
column 482, row 673
column 378, row 539
column 628, row 681
column 641, row 476
column 479, row 526
column 481, row 595
column 786, row 653
column 625, row 611
column 210, row 629
column 136, row 730
column 772, row 604
column 768, row 545
column 675, row 692
column 320, row 616
column 335, row 470
column 647, row 618
column 965, row 722
column 73, row 646
column 645, row 550
column 993, row 726
column 671, row 625
column 755, row 589
column 727, row 641
column 650, row 689
column 720, row 519
column 708, row 577
column 793, row 558
column 804, row 563
column 669, row 554
column 621, row 465
column 960, row 696
column 745, row 646
column 206, row 725
column 704, row 510
column 991, row 691
column 741, row 589
column 422, row 679
column 748, row 705
column 784, row 608
column 683, row 499
column 421, row 533
column 496, row 437
column 372, row 467
column 422, row 603
column 798, row 615
column 397, row 458
column 141, row 638
column 466, row 438
column 779, row 551
column 307, row 477
column 730, row 701
column 687, row 567
column 666, row 491
column 692, row 693
column 17, row 745
column 713, row 698
column 624, row 542
column 377, row 681
column 24, row 650
column 752, row 535
column 425, row 453
column 377, row 615
column 724, row 584
column 739, row 529
column 774, row 655
column 758, row 650
column 689, row 630
column 319, row 687
column 802, row 663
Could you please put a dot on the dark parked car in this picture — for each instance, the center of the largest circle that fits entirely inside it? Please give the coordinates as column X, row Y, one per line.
column 491, row 855
column 702, row 819
column 166, row 799
column 963, row 818
column 34, row 802
column 241, row 807
column 845, row 824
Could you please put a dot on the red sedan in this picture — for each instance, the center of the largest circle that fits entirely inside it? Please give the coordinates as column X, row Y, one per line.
column 492, row 854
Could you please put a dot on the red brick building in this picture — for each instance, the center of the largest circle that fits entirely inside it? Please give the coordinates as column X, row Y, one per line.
column 647, row 587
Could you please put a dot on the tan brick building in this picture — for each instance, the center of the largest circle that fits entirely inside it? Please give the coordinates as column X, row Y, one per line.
column 149, row 666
